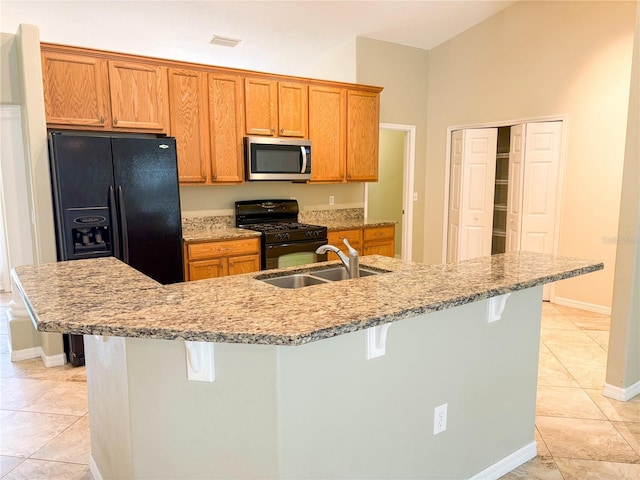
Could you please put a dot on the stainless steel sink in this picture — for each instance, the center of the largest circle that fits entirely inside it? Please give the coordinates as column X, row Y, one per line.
column 306, row 279
column 294, row 281
column 340, row 273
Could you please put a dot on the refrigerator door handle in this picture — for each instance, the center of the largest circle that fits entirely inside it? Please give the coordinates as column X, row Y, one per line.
column 115, row 240
column 123, row 226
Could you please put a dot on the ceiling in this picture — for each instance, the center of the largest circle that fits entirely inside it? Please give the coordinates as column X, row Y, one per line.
column 270, row 31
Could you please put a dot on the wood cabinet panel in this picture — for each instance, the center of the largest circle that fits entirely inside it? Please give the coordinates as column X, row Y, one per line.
column 189, row 123
column 378, row 233
column 139, row 96
column 379, row 241
column 227, row 130
column 293, row 108
column 261, row 106
column 244, row 264
column 363, row 118
column 336, row 239
column 198, row 251
column 206, row 269
column 217, row 259
column 386, row 248
column 327, row 131
column 76, row 91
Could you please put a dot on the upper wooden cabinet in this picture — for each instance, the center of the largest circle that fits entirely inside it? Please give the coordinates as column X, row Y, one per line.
column 328, row 133
column 343, row 127
column 84, row 91
column 211, row 109
column 276, row 109
column 293, row 108
column 226, row 120
column 363, row 117
column 189, row 118
column 76, row 91
column 139, row 96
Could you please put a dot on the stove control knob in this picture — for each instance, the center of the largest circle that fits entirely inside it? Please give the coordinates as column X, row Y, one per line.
column 286, row 236
column 278, row 236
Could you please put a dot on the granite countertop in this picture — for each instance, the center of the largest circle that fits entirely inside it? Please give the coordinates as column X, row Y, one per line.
column 216, row 228
column 216, row 233
column 106, row 297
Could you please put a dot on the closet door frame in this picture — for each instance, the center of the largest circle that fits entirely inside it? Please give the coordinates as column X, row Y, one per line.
column 509, row 123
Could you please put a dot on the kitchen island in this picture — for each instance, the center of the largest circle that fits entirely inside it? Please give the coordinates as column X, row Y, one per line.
column 337, row 380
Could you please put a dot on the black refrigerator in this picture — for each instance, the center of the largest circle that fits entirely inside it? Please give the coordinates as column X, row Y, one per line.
column 116, row 196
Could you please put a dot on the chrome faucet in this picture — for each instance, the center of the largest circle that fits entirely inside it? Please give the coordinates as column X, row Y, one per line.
column 351, row 263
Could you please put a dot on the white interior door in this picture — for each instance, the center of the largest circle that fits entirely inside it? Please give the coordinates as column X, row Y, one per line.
column 542, row 173
column 515, row 186
column 472, row 178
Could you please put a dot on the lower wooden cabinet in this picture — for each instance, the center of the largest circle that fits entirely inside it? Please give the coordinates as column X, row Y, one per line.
column 379, row 241
column 336, row 239
column 367, row 241
column 219, row 259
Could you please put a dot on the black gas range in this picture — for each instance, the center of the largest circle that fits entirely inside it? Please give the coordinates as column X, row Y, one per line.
column 285, row 241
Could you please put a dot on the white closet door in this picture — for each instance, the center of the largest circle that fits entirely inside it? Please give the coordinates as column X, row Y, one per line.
column 455, row 183
column 516, row 184
column 539, row 198
column 472, row 183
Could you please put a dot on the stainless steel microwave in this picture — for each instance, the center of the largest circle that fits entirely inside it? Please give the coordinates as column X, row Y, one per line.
column 269, row 158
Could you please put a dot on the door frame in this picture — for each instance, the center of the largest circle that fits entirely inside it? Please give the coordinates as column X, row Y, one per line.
column 407, row 185
column 564, row 118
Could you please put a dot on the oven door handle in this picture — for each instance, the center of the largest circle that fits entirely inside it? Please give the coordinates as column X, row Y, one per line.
column 304, row 159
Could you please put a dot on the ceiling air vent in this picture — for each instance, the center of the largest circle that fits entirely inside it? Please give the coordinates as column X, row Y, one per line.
column 224, row 41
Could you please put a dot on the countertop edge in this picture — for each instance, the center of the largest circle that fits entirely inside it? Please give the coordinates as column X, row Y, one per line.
column 289, row 340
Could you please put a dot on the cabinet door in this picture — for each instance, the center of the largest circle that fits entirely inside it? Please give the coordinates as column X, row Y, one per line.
column 514, row 188
column 207, row 269
column 261, row 106
column 293, row 109
column 244, row 264
column 363, row 127
column 139, row 96
column 327, row 131
column 226, row 120
column 189, row 123
column 386, row 248
column 379, row 241
column 76, row 91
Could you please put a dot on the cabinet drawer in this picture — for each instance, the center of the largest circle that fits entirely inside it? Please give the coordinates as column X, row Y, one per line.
column 198, row 251
column 353, row 236
column 378, row 233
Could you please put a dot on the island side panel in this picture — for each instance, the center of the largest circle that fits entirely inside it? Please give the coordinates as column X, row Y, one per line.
column 342, row 416
column 108, row 395
column 193, row 429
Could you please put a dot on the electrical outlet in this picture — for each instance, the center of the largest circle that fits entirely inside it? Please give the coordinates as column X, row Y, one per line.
column 415, row 196
column 331, row 199
column 440, row 419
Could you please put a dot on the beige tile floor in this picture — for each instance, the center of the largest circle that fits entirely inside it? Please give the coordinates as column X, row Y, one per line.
column 581, row 435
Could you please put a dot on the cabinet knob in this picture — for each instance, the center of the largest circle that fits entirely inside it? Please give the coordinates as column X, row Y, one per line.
column 282, row 130
column 102, row 120
column 273, row 130
column 214, row 177
column 115, row 120
column 475, row 217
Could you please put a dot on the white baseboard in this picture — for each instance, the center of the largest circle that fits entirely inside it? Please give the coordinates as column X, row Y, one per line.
column 508, row 463
column 589, row 307
column 93, row 469
column 37, row 352
column 621, row 394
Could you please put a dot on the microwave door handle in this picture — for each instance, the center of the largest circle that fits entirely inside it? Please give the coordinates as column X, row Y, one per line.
column 304, row 159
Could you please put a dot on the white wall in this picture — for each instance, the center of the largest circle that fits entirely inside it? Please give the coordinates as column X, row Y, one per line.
column 536, row 59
